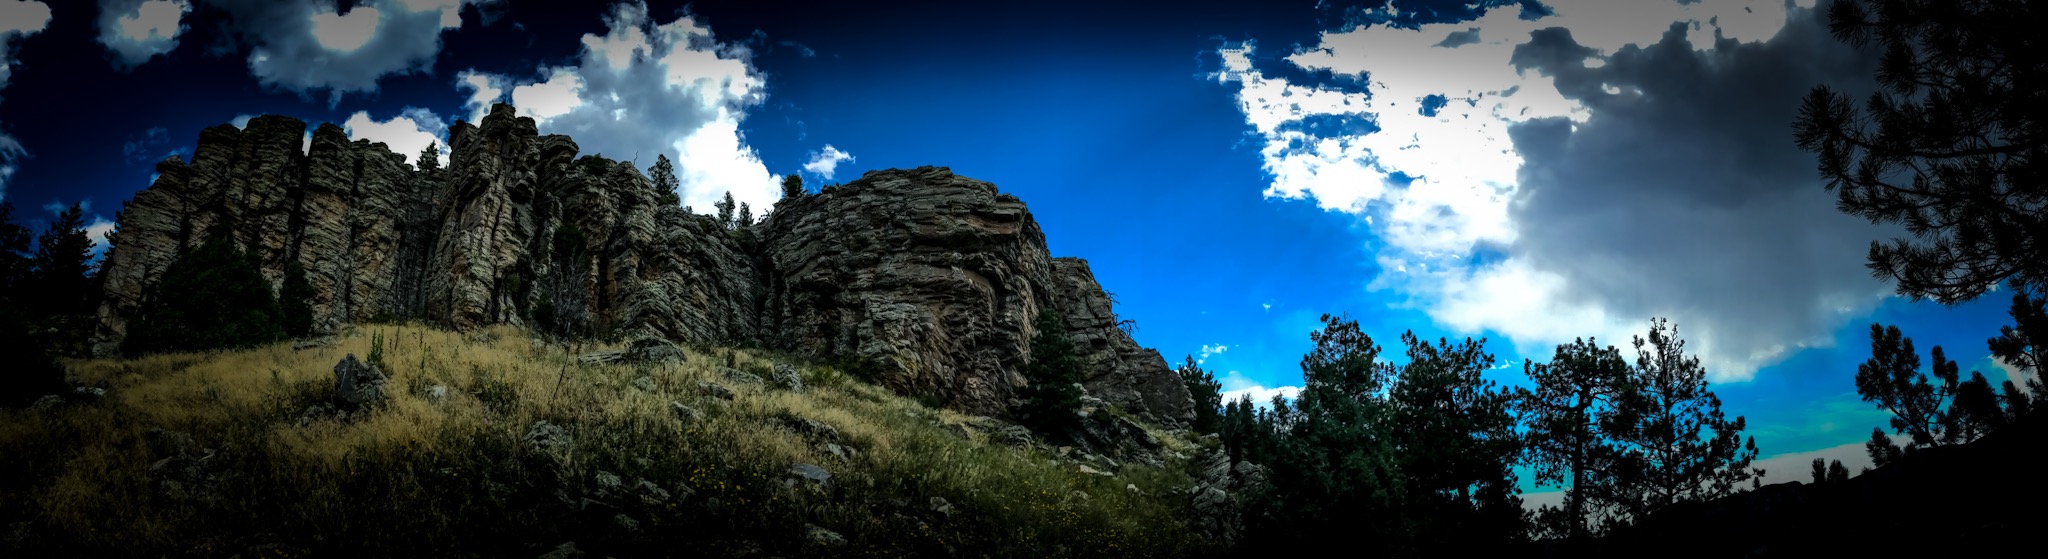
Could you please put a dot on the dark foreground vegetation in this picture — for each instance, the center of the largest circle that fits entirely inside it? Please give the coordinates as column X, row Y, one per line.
column 219, row 436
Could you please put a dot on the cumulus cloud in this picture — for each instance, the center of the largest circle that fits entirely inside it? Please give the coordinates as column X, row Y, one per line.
column 1208, row 350
column 18, row 20
column 407, row 133
column 647, row 87
column 97, row 231
column 1580, row 173
column 309, row 46
column 824, row 163
column 135, row 31
column 1236, row 385
column 484, row 90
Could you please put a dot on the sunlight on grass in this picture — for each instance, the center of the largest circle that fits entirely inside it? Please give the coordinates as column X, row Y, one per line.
column 97, row 477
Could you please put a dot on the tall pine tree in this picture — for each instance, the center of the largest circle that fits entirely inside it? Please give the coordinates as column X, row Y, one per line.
column 1053, row 375
column 1572, row 394
column 663, row 173
column 63, row 268
column 1207, row 395
column 1674, row 444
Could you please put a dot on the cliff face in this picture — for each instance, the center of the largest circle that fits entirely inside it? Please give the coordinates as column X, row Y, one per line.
column 928, row 279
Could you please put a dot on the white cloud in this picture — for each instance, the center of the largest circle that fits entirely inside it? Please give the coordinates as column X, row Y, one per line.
column 18, row 20
column 1208, row 350
column 136, row 30
column 97, row 231
column 484, row 90
column 824, row 163
column 407, row 133
column 310, row 46
column 241, row 121
column 647, row 87
column 1235, row 385
column 1438, row 187
column 1798, row 466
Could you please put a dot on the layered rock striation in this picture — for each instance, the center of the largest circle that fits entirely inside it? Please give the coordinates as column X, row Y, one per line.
column 925, row 281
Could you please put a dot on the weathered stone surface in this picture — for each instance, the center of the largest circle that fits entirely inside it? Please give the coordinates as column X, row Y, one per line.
column 786, row 376
column 1125, row 375
column 357, row 383
column 925, row 279
column 654, row 350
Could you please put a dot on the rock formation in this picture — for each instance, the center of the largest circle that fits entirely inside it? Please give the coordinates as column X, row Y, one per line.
column 925, row 281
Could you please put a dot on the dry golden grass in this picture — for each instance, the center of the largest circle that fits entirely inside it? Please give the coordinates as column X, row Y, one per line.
column 79, row 475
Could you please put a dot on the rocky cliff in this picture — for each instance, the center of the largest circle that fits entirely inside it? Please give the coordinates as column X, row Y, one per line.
column 922, row 279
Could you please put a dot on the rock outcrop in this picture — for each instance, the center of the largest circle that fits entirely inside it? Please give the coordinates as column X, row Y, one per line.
column 925, row 281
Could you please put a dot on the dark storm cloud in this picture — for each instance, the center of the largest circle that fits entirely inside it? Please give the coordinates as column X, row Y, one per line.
column 1683, row 194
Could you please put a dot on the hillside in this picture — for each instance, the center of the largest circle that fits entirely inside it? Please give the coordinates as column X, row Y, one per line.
column 490, row 444
column 926, row 279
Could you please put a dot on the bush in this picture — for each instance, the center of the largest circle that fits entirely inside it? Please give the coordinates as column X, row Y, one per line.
column 30, row 371
column 211, row 297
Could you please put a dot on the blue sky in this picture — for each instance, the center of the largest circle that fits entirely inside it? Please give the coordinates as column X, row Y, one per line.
column 1528, row 172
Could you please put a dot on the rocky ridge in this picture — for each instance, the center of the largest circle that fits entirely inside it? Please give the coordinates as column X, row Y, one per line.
column 925, row 281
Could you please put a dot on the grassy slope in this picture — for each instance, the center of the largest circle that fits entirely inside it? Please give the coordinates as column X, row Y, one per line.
column 453, row 478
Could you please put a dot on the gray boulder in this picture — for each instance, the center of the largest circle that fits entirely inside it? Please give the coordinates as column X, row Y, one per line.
column 357, row 383
column 786, row 376
column 654, row 351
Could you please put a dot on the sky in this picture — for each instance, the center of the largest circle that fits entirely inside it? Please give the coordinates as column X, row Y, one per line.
column 1526, row 173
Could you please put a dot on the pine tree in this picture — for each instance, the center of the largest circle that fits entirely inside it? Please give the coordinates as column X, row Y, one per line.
column 792, row 186
column 2016, row 346
column 663, row 173
column 63, row 267
column 211, row 297
column 295, row 299
column 1207, row 395
column 725, row 207
column 1674, row 443
column 15, row 265
column 1336, row 465
column 1572, row 394
column 1820, row 470
column 1837, row 472
column 1949, row 147
column 429, row 161
column 1053, row 374
column 1456, row 443
column 746, row 217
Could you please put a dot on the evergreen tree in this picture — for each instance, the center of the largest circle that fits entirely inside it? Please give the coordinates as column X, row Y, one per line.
column 1053, row 375
column 1207, row 395
column 1572, row 394
column 14, row 257
column 725, row 207
column 429, row 161
column 295, row 300
column 665, row 182
column 746, row 217
column 1820, row 470
column 1336, row 467
column 210, row 297
column 1674, row 443
column 1837, row 472
column 1456, row 443
column 2015, row 345
column 63, row 267
column 1948, row 410
column 792, row 186
column 1949, row 147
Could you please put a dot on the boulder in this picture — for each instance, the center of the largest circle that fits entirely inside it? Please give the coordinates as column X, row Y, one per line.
column 654, row 351
column 357, row 384
column 786, row 376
